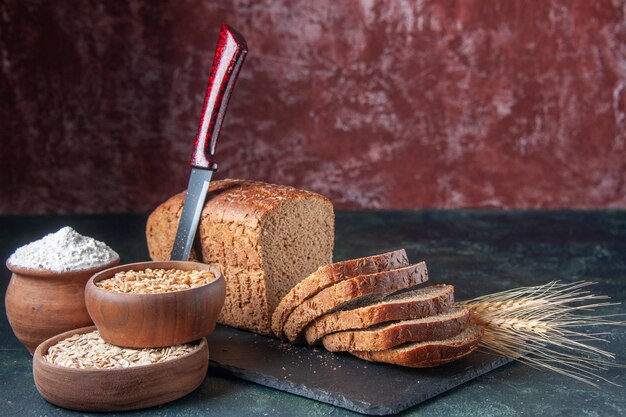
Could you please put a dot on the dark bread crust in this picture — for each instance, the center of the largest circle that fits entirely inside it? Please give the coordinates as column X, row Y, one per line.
column 349, row 291
column 422, row 302
column 428, row 354
column 386, row 336
column 230, row 235
column 328, row 275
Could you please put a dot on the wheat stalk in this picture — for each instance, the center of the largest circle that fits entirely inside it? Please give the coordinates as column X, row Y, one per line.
column 541, row 326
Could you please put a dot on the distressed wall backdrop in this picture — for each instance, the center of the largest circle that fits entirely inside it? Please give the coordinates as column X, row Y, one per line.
column 376, row 104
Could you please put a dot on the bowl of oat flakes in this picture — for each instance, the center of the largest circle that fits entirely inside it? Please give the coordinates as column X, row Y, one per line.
column 155, row 304
column 81, row 371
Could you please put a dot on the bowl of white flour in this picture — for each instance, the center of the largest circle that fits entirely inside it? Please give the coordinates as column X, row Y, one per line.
column 46, row 295
column 63, row 251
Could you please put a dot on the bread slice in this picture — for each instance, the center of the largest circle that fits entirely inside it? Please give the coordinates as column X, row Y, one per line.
column 328, row 275
column 266, row 238
column 350, row 291
column 428, row 354
column 412, row 304
column 387, row 335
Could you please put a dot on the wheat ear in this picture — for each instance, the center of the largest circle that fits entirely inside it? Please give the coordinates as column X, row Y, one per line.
column 542, row 326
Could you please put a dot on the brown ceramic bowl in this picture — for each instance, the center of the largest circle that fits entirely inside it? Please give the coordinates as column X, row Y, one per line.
column 159, row 319
column 41, row 303
column 118, row 389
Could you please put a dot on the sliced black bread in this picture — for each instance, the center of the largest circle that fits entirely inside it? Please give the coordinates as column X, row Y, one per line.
column 412, row 304
column 387, row 335
column 428, row 354
column 349, row 292
column 328, row 275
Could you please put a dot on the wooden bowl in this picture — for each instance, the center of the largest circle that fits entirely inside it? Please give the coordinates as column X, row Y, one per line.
column 118, row 389
column 159, row 319
column 42, row 303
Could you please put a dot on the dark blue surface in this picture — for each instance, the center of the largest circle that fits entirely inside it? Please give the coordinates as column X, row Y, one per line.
column 478, row 252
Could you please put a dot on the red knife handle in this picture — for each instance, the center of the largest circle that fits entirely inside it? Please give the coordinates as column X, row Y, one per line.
column 229, row 56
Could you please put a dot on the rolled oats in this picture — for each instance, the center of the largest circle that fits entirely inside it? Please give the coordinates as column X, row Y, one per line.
column 89, row 350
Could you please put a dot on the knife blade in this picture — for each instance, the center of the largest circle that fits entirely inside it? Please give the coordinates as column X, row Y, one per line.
column 229, row 57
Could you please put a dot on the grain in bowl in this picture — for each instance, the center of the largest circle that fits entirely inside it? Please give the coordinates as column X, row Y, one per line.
column 89, row 350
column 115, row 380
column 156, row 304
column 151, row 281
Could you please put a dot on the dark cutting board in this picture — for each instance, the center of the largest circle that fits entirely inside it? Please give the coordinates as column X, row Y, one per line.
column 338, row 379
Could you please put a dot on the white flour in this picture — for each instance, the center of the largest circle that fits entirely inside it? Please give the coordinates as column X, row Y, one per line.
column 65, row 250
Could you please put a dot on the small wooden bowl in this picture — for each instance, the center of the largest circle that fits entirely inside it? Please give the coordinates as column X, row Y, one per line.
column 118, row 389
column 159, row 319
column 42, row 303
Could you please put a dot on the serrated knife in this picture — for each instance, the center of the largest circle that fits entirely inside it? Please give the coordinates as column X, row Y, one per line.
column 229, row 56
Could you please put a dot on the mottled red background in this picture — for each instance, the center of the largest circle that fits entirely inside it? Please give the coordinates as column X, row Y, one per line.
column 376, row 104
